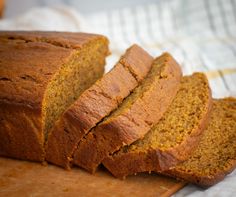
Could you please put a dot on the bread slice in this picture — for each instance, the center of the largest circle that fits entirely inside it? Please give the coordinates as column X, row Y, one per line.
column 215, row 156
column 135, row 116
column 95, row 103
column 41, row 75
column 173, row 138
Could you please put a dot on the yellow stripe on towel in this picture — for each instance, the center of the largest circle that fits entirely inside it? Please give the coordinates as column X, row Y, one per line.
column 218, row 73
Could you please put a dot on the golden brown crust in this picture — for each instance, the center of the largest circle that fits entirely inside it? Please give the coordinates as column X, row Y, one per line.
column 132, row 123
column 96, row 103
column 137, row 61
column 60, row 39
column 16, row 120
column 127, row 163
column 29, row 60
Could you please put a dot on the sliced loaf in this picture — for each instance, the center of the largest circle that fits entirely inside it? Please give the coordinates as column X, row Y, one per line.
column 41, row 74
column 215, row 156
column 95, row 103
column 173, row 138
column 135, row 116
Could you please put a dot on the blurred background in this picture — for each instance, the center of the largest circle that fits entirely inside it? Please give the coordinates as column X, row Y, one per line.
column 200, row 34
column 85, row 7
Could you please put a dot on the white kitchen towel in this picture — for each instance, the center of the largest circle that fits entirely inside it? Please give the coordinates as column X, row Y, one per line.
column 201, row 35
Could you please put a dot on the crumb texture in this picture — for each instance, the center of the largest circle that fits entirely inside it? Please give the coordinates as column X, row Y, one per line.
column 216, row 154
column 182, row 117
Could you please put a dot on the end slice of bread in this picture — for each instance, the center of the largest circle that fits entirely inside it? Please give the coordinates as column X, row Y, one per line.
column 135, row 116
column 215, row 156
column 173, row 138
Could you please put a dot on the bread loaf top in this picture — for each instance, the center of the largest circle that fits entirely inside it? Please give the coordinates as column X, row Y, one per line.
column 30, row 59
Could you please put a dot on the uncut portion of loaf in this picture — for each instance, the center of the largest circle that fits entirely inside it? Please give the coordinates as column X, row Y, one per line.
column 215, row 156
column 135, row 116
column 41, row 74
column 95, row 103
column 173, row 138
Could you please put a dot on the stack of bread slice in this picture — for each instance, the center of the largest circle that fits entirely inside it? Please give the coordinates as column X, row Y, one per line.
column 142, row 116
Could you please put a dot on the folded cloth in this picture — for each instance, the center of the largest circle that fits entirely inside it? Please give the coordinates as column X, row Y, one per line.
column 199, row 34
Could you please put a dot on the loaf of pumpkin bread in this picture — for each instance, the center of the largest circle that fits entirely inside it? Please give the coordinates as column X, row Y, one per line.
column 41, row 74
column 134, row 117
column 215, row 156
column 173, row 138
column 96, row 103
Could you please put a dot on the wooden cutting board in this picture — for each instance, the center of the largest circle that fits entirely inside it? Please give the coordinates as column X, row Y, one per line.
column 21, row 178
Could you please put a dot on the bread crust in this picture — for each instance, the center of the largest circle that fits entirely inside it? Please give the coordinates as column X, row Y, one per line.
column 16, row 140
column 96, row 103
column 133, row 123
column 29, row 61
column 66, row 40
column 203, row 181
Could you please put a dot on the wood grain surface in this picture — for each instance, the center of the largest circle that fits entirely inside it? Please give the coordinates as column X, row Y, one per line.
column 21, row 178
